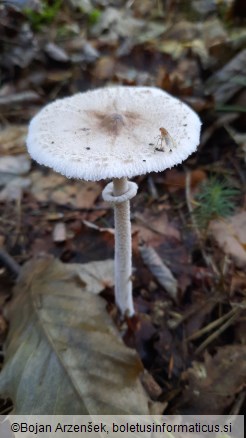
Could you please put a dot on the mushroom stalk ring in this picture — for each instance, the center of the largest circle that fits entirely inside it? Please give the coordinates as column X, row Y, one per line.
column 109, row 196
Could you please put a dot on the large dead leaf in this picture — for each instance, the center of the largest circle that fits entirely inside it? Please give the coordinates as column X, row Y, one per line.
column 64, row 354
column 149, row 225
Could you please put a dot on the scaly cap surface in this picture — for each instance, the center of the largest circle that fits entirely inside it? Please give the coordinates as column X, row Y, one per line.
column 113, row 132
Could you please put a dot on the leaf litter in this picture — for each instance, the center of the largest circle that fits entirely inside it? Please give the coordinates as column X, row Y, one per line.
column 212, row 385
column 230, row 235
column 71, row 343
column 196, row 54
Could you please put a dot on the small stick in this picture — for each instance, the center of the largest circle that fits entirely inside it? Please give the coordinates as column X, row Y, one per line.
column 218, row 332
column 236, row 408
column 211, row 326
column 9, row 263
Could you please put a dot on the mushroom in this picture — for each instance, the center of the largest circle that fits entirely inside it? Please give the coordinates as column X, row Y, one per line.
column 118, row 133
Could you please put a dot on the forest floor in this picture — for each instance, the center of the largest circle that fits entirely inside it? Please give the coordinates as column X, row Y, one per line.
column 188, row 223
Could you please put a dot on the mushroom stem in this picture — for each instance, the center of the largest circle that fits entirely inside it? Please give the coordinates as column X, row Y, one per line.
column 123, row 250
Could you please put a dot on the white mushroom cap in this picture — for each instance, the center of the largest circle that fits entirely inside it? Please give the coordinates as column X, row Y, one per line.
column 113, row 133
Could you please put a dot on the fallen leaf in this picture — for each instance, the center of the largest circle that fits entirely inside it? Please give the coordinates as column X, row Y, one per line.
column 230, row 235
column 44, row 185
column 57, row 188
column 12, row 139
column 160, row 270
column 225, row 83
column 213, row 33
column 104, row 68
column 176, row 180
column 86, row 193
column 183, row 30
column 115, row 23
column 212, row 385
column 156, row 224
column 63, row 353
column 104, row 276
column 57, row 53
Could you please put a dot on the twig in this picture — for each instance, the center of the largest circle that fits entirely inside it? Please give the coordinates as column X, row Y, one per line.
column 211, row 326
column 218, row 332
column 9, row 263
column 238, row 403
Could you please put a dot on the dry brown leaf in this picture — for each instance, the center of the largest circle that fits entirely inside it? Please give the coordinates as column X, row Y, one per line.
column 63, row 353
column 43, row 185
column 86, row 193
column 176, row 180
column 151, row 225
column 212, row 385
column 57, row 188
column 115, row 23
column 12, row 139
column 104, row 68
column 230, row 235
column 213, row 33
